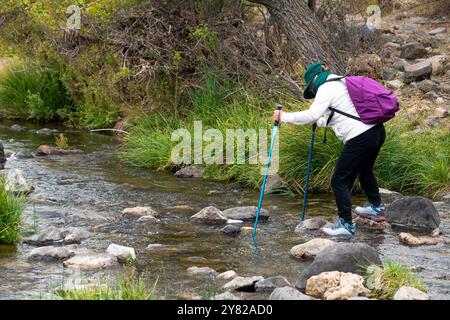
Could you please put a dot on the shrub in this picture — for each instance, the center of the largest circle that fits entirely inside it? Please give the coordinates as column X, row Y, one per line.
column 11, row 208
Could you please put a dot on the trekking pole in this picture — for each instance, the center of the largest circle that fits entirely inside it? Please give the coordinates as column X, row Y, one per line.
column 263, row 187
column 308, row 171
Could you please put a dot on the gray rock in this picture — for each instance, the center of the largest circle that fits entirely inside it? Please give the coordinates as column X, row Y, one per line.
column 189, row 172
column 395, row 84
column 272, row 183
column 231, row 229
column 138, row 212
column 400, row 64
column 245, row 213
column 17, row 127
column 417, row 213
column 23, row 154
column 271, row 283
column 50, row 253
column 389, row 73
column 202, row 271
column 209, row 215
column 445, row 88
column 437, row 31
column 413, row 50
column 311, row 248
column 388, row 196
column 288, row 293
column 45, row 150
column 245, row 284
column 427, row 86
column 310, row 224
column 438, row 64
column 431, row 96
column 52, row 234
column 343, row 257
column 148, row 219
column 227, row 275
column 74, row 235
column 87, row 261
column 410, row 293
column 16, row 182
column 418, row 71
column 46, row 132
column 122, row 253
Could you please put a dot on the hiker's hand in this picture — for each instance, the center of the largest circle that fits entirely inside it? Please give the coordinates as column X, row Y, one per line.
column 277, row 116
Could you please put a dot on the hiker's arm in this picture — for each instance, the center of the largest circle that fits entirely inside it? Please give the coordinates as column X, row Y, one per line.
column 321, row 103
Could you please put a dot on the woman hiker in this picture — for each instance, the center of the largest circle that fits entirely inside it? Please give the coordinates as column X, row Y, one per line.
column 362, row 144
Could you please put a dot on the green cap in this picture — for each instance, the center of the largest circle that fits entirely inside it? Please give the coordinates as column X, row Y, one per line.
column 312, row 71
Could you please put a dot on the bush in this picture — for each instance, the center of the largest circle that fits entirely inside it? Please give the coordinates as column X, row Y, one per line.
column 11, row 208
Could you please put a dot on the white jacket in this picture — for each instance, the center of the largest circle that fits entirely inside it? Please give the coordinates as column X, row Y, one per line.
column 331, row 94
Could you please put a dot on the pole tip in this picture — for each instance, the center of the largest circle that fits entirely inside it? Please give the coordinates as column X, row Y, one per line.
column 279, row 106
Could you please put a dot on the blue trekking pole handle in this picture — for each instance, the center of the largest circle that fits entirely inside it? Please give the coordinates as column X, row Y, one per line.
column 263, row 187
column 308, row 171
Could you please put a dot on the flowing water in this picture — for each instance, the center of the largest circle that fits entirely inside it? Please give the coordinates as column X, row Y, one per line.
column 91, row 190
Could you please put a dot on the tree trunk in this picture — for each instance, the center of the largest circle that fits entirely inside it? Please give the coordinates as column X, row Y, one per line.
column 304, row 32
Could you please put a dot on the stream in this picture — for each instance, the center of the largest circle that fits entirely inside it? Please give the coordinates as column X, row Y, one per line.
column 91, row 190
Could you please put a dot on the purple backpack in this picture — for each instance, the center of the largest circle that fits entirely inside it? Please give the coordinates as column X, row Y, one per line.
column 373, row 102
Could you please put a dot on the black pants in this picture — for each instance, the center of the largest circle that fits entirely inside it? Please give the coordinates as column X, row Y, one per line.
column 357, row 159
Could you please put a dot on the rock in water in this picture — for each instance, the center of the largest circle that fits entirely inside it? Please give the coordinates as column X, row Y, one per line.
column 271, row 283
column 310, row 224
column 148, row 218
column 227, row 275
column 410, row 293
column 231, row 230
column 245, row 213
column 272, row 183
column 311, row 248
column 210, row 215
column 335, row 285
column 245, row 284
column 138, row 212
column 189, row 172
column 45, row 150
column 417, row 213
column 123, row 254
column 49, row 253
column 16, row 182
column 23, row 154
column 202, row 271
column 288, row 293
column 413, row 241
column 88, row 261
column 343, row 257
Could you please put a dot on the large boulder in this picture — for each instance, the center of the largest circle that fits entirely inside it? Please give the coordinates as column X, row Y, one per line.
column 336, row 285
column 86, row 261
column 210, row 215
column 417, row 213
column 189, row 172
column 122, row 253
column 50, row 253
column 427, row 86
column 343, row 257
column 310, row 249
column 413, row 50
column 288, row 293
column 418, row 71
column 246, row 213
column 138, row 212
column 410, row 293
column 16, row 182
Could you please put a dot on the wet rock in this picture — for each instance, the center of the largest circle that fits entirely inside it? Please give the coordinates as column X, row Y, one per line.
column 122, row 253
column 310, row 224
column 271, row 283
column 52, row 234
column 440, row 112
column 388, row 196
column 395, row 84
column 410, row 293
column 17, row 127
column 288, row 293
column 246, row 213
column 50, row 253
column 343, row 257
column 138, row 212
column 418, row 71
column 273, row 182
column 209, row 215
column 417, row 213
column 202, row 271
column 427, row 86
column 45, row 150
column 413, row 241
column 413, row 50
column 189, row 172
column 227, row 275
column 74, row 235
column 88, row 261
column 46, row 132
column 231, row 230
column 157, row 246
column 16, row 182
column 438, row 64
column 225, row 296
column 311, row 248
column 437, row 31
column 336, row 285
column 23, row 154
column 148, row 219
column 367, row 223
column 245, row 284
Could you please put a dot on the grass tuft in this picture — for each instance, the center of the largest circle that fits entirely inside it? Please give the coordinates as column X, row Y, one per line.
column 11, row 208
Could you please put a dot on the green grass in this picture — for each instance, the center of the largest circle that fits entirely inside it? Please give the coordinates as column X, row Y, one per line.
column 385, row 282
column 11, row 208
column 128, row 286
column 36, row 92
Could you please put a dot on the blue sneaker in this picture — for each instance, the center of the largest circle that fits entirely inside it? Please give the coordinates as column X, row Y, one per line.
column 372, row 212
column 341, row 228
